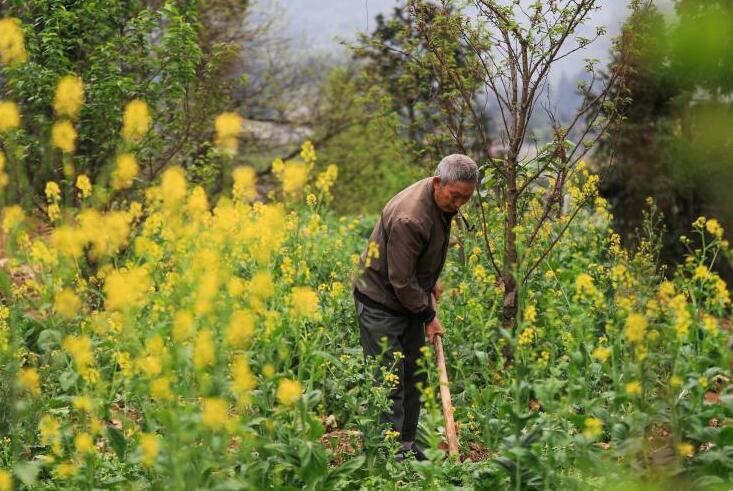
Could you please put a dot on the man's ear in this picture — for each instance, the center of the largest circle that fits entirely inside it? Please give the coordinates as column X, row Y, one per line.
column 436, row 182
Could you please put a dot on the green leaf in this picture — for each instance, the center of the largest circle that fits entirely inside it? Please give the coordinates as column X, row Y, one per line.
column 313, row 461
column 725, row 437
column 27, row 472
column 117, row 441
column 339, row 476
column 49, row 339
column 68, row 378
column 5, row 283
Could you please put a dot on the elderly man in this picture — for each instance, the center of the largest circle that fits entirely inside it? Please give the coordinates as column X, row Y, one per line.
column 394, row 294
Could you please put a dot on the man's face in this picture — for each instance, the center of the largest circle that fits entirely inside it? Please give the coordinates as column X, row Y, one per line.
column 452, row 196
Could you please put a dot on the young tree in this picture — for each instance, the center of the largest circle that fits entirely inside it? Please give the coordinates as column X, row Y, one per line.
column 394, row 55
column 515, row 45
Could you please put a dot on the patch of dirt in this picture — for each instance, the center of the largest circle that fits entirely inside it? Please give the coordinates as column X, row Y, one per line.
column 475, row 453
column 341, row 444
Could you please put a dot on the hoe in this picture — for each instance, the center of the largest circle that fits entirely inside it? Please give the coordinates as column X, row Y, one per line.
column 445, row 400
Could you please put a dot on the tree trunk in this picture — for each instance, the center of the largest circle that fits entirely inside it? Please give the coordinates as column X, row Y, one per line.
column 511, row 287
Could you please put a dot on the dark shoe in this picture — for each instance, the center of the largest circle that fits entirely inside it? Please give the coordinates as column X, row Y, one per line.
column 419, row 455
column 405, row 453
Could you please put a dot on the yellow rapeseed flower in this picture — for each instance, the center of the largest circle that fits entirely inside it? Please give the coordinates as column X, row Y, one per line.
column 268, row 370
column 214, row 413
column 304, row 303
column 391, row 434
column 127, row 289
column 160, row 389
column 245, row 179
column 3, row 175
column 52, row 191
column 675, row 381
column 41, row 253
column 682, row 317
column 135, row 120
column 601, row 353
column 29, row 379
column 635, row 328
column 67, row 303
column 84, row 185
column 69, row 97
column 308, row 152
column 107, row 232
column 702, row 273
column 326, row 178
column 311, row 200
column 9, row 116
column 530, row 314
column 240, row 330
column 83, row 443
column 183, row 326
column 526, row 336
column 149, row 447
column 6, row 480
column 633, row 388
column 666, row 291
column 83, row 404
column 585, row 289
column 80, row 349
column 203, row 349
column 50, row 431
column 13, row 216
column 197, row 205
column 685, row 449
column 288, row 391
column 54, row 212
column 337, row 289
column 12, row 42
column 294, row 177
column 243, row 381
column 66, row 470
column 714, row 228
column 261, row 285
column 592, row 427
column 207, row 288
column 710, row 324
column 228, row 126
column 173, row 186
column 126, row 169
column 67, row 241
column 63, row 136
column 721, row 291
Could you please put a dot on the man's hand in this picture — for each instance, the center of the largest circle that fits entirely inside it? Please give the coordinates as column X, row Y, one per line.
column 434, row 328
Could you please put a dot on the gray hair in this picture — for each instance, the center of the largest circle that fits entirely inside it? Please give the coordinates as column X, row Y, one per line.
column 457, row 167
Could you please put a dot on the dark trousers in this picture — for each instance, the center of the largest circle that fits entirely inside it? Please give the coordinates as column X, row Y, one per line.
column 406, row 335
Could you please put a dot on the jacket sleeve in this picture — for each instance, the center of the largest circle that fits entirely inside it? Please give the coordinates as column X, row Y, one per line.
column 404, row 246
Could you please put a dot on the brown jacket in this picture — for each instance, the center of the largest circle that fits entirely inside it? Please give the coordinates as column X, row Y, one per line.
column 412, row 235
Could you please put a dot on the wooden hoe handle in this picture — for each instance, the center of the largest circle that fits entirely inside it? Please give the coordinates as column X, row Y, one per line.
column 445, row 400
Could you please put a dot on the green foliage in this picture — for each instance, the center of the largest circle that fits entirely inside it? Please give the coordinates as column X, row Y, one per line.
column 375, row 160
column 675, row 139
column 121, row 51
column 611, row 363
column 416, row 55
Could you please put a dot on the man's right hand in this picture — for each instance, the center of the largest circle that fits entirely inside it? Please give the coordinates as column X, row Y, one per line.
column 434, row 328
